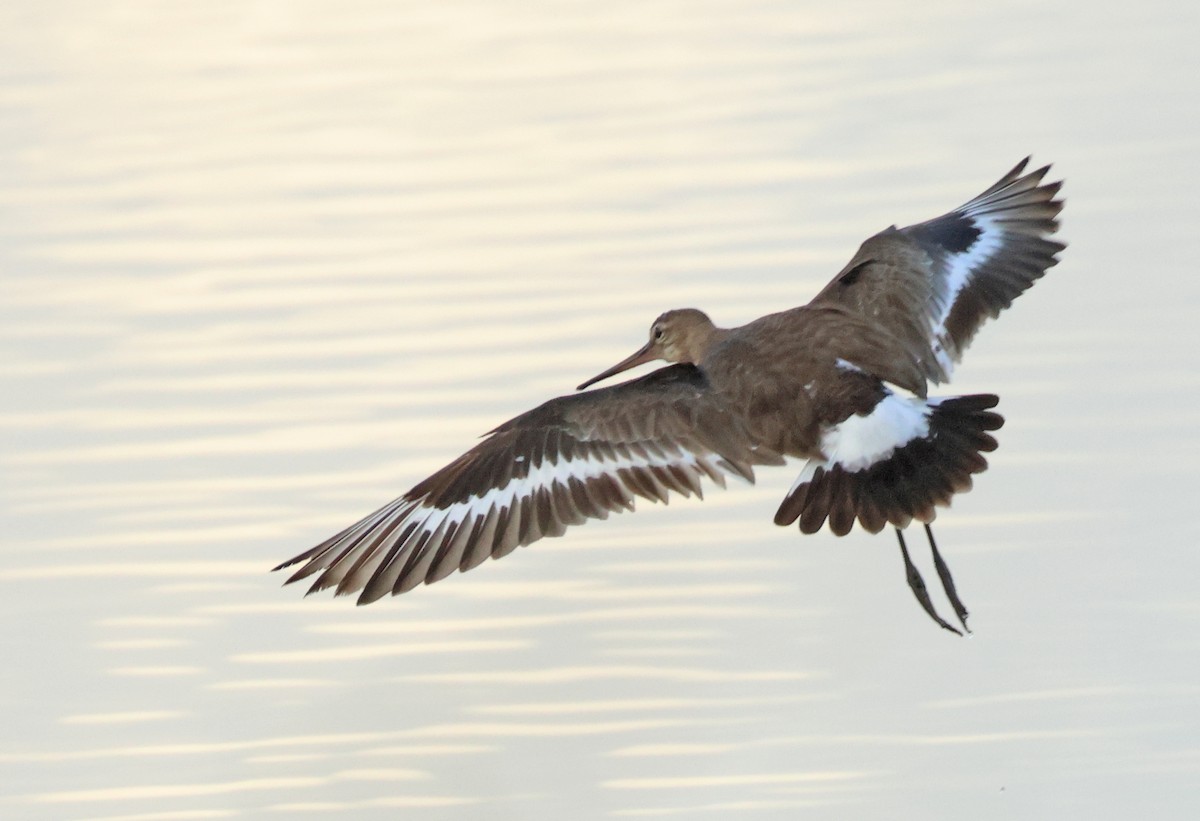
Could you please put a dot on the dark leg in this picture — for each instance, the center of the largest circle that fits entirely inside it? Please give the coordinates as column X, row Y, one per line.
column 918, row 586
column 947, row 581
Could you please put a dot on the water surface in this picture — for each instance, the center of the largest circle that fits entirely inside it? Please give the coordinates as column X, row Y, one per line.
column 263, row 266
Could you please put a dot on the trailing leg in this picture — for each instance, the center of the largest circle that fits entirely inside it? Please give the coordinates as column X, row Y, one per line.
column 918, row 586
column 947, row 581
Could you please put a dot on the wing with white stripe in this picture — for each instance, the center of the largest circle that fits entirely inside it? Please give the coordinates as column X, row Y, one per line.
column 932, row 285
column 571, row 459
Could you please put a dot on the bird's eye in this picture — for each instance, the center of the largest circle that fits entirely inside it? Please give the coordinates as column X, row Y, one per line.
column 658, row 332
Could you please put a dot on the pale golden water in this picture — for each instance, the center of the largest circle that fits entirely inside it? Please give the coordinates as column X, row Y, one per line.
column 263, row 265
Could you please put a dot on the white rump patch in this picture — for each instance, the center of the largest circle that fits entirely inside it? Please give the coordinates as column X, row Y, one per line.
column 864, row 440
column 861, row 441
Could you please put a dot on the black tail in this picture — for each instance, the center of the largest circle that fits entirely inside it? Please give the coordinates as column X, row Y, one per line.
column 909, row 482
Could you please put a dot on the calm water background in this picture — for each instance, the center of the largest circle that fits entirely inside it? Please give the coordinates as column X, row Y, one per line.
column 263, row 265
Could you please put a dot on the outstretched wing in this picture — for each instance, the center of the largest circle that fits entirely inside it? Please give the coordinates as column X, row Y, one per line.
column 932, row 285
column 571, row 459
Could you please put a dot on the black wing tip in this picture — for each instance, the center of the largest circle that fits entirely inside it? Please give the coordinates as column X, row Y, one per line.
column 297, row 559
column 1024, row 206
column 301, row 573
column 1033, row 179
column 370, row 597
column 1023, row 181
column 1019, row 168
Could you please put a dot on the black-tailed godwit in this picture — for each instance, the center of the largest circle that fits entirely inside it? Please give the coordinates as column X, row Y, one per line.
column 841, row 382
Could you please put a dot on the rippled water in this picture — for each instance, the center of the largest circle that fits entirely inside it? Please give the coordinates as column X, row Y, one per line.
column 264, row 265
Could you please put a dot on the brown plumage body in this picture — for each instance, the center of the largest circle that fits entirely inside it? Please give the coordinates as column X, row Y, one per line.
column 841, row 382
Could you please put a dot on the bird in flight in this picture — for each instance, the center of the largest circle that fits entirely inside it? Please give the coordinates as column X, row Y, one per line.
column 841, row 382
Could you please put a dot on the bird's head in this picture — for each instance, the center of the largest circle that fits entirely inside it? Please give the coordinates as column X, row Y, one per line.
column 682, row 335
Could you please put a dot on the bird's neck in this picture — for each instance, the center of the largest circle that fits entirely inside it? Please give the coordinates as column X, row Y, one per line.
column 703, row 339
